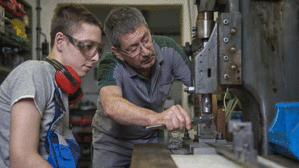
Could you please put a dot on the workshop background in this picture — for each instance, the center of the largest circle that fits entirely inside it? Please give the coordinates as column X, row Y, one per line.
column 25, row 34
column 169, row 18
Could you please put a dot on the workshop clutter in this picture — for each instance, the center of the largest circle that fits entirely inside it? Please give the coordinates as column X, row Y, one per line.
column 15, row 34
column 15, row 8
column 81, row 120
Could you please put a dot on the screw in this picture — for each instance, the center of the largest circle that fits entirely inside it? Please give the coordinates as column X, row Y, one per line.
column 208, row 105
column 225, row 39
column 233, row 67
column 233, row 49
column 193, row 35
column 233, row 31
column 225, row 58
column 225, row 21
column 226, row 76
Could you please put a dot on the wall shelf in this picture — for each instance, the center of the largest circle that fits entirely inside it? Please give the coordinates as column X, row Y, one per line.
column 10, row 40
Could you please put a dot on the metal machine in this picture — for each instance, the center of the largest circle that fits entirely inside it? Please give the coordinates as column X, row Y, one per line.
column 252, row 48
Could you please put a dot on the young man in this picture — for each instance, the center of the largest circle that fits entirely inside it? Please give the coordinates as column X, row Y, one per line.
column 32, row 94
column 133, row 82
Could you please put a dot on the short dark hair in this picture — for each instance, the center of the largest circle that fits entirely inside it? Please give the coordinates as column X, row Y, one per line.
column 68, row 18
column 120, row 21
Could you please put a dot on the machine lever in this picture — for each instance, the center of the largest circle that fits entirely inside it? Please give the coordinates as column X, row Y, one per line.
column 196, row 120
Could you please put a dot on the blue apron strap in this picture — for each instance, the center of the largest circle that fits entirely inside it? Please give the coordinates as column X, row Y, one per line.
column 56, row 116
column 52, row 141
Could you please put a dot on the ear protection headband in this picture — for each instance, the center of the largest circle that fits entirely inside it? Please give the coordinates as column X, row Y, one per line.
column 67, row 79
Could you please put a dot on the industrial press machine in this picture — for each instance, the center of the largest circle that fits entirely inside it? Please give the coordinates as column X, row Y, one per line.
column 252, row 48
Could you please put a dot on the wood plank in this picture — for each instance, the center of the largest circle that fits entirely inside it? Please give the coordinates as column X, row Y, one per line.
column 152, row 155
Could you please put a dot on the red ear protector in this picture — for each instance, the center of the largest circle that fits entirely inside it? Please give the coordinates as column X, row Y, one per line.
column 67, row 80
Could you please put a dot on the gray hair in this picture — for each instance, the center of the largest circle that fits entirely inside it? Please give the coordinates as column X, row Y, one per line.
column 121, row 21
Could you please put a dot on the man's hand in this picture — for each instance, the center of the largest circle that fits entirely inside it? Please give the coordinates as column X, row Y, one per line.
column 176, row 117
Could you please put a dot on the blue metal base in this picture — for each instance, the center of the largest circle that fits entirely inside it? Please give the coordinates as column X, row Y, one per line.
column 283, row 134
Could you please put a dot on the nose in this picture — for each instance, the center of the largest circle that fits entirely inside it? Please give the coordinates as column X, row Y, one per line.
column 95, row 58
column 144, row 51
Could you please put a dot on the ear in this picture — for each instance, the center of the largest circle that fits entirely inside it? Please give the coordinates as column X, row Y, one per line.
column 59, row 40
column 117, row 53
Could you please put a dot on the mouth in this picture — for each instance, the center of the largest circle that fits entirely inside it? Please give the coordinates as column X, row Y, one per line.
column 88, row 67
column 146, row 61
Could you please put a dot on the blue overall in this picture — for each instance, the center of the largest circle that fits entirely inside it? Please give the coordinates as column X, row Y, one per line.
column 63, row 150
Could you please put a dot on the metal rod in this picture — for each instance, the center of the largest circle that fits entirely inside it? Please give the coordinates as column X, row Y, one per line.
column 38, row 30
column 206, row 103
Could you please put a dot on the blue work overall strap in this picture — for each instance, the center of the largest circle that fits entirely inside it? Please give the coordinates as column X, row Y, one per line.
column 60, row 155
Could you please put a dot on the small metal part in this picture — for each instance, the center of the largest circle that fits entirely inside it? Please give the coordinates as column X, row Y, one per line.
column 233, row 49
column 225, row 39
column 206, row 103
column 233, row 67
column 225, row 21
column 186, row 135
column 226, row 76
column 193, row 35
column 189, row 89
column 202, row 119
column 233, row 31
column 219, row 136
column 225, row 58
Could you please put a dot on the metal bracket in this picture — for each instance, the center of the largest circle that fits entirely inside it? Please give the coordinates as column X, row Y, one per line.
column 243, row 147
column 230, row 62
column 204, row 67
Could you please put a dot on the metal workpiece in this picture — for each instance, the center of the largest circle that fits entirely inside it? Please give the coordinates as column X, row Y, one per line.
column 204, row 67
column 199, row 148
column 242, row 148
column 206, row 132
column 230, row 49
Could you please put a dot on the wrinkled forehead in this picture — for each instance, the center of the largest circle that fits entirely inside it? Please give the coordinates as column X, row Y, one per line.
column 134, row 37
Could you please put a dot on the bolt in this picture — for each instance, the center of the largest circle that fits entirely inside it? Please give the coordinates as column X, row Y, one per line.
column 193, row 35
column 245, row 146
column 225, row 39
column 233, row 30
column 233, row 49
column 226, row 76
column 225, row 21
column 233, row 67
column 225, row 58
column 189, row 89
column 208, row 105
